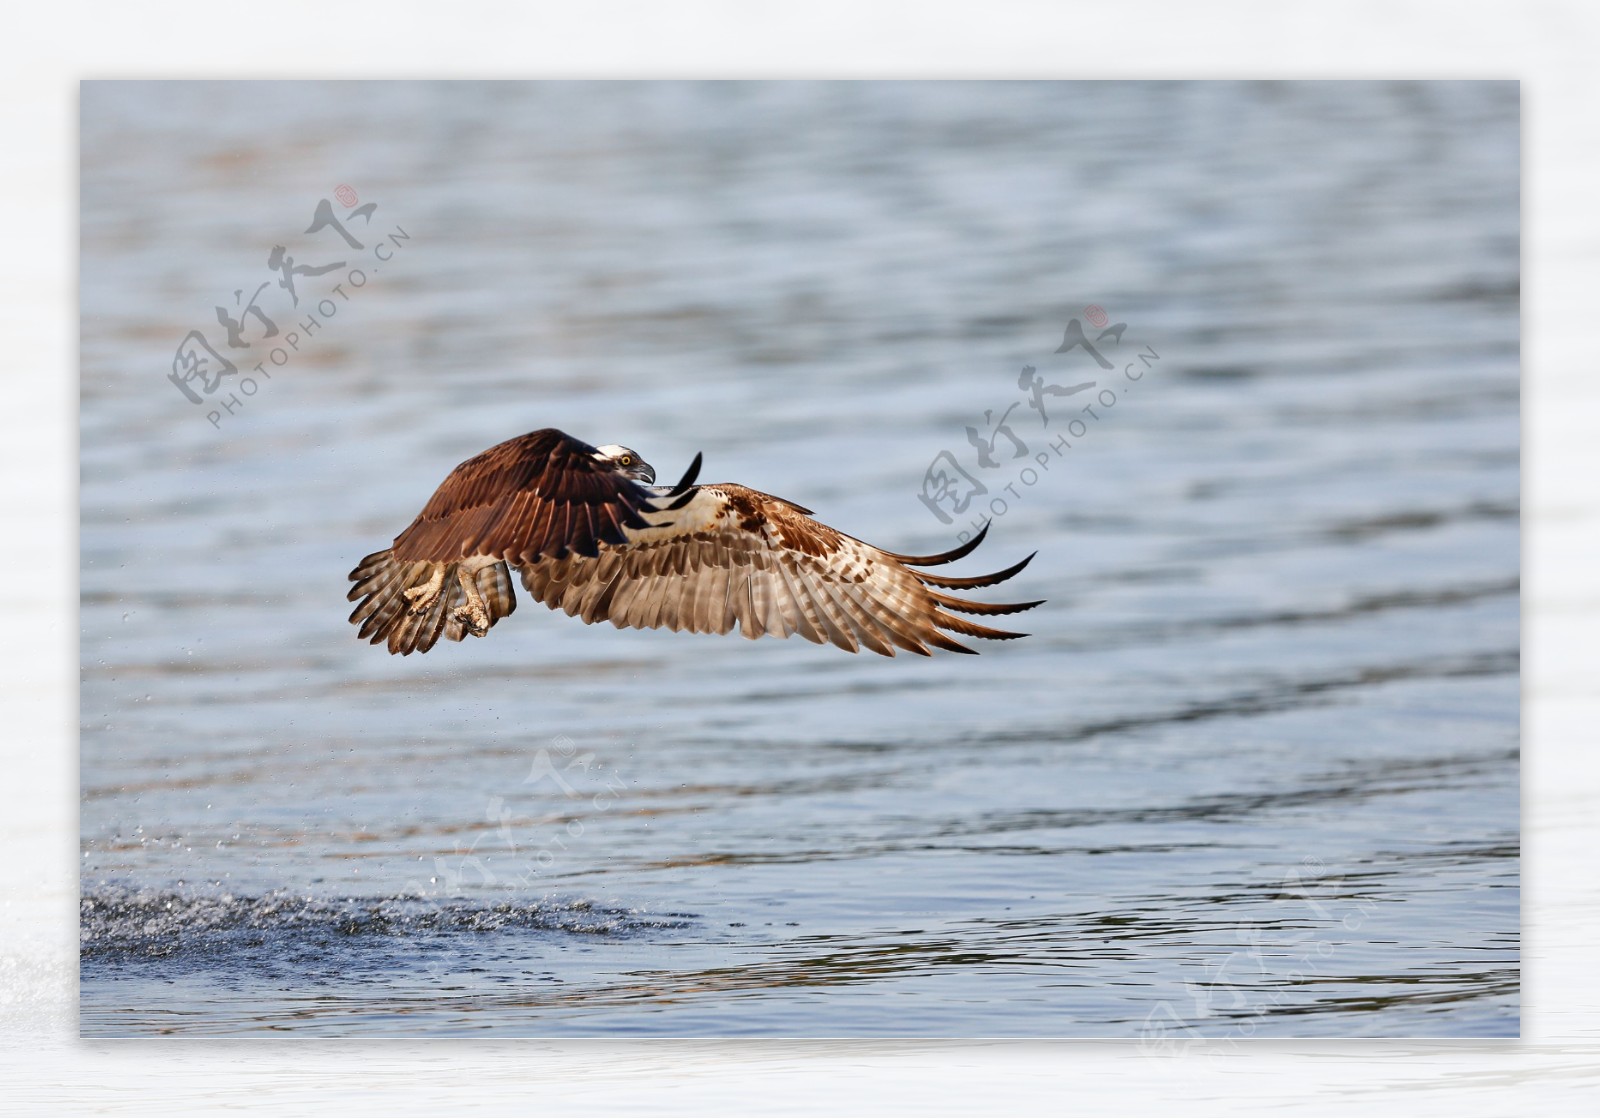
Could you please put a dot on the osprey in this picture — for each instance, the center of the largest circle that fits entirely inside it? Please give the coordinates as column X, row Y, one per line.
column 591, row 534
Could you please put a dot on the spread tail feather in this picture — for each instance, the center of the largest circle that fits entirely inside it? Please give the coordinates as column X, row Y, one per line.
column 411, row 604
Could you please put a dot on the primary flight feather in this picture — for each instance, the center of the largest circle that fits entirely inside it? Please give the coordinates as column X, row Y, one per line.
column 592, row 535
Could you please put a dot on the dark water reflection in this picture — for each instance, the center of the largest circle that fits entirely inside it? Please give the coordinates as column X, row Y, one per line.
column 1254, row 774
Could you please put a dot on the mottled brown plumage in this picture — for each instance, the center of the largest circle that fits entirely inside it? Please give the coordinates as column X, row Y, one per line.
column 591, row 541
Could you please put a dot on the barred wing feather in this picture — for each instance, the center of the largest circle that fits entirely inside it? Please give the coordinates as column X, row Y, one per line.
column 732, row 556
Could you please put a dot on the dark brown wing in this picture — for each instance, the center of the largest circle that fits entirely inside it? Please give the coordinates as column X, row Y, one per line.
column 540, row 494
column 735, row 556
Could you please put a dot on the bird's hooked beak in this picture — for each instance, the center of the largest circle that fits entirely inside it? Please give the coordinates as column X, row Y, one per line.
column 627, row 462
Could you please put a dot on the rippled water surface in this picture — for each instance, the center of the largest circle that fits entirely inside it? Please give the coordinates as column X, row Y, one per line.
column 1255, row 772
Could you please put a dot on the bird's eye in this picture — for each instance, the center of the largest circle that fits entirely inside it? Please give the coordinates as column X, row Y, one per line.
column 626, row 460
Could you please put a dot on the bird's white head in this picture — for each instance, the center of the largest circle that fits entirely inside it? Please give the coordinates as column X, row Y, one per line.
column 627, row 462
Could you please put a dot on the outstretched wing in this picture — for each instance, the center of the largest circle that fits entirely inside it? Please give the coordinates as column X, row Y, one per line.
column 540, row 494
column 543, row 494
column 732, row 555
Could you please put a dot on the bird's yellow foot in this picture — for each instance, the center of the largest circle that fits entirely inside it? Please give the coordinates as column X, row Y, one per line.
column 473, row 613
column 423, row 596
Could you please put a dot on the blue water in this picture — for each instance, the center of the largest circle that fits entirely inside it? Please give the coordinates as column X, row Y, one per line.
column 1255, row 772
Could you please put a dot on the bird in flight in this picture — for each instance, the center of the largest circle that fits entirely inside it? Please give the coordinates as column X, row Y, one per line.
column 592, row 535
